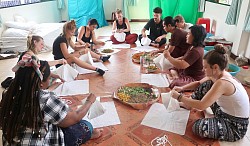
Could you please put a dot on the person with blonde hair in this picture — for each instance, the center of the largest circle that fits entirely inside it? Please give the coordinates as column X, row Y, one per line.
column 180, row 23
column 62, row 42
column 223, row 93
column 121, row 25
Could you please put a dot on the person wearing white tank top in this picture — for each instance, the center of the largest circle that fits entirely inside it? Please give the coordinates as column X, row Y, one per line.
column 224, row 94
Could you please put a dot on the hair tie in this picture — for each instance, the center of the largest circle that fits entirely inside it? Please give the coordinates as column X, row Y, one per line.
column 29, row 61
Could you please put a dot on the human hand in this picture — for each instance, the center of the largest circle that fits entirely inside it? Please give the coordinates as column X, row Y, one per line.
column 144, row 35
column 158, row 39
column 63, row 61
column 153, row 53
column 87, row 45
column 54, row 86
column 178, row 88
column 91, row 98
column 166, row 54
column 174, row 94
column 102, row 43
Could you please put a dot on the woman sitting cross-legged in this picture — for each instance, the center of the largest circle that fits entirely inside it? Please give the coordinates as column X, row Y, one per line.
column 32, row 115
column 121, row 25
column 86, row 34
column 225, row 95
column 188, row 68
column 62, row 42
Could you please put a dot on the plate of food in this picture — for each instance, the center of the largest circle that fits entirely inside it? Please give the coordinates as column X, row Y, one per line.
column 151, row 68
column 137, row 95
column 107, row 51
column 136, row 57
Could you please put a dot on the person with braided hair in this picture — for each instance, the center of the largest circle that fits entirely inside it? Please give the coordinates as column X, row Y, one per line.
column 223, row 93
column 32, row 115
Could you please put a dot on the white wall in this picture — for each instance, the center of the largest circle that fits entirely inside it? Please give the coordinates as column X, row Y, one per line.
column 40, row 12
column 232, row 33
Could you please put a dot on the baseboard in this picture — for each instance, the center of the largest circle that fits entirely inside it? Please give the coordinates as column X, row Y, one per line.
column 133, row 20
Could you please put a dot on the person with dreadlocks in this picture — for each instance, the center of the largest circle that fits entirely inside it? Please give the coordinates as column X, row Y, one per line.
column 62, row 42
column 32, row 115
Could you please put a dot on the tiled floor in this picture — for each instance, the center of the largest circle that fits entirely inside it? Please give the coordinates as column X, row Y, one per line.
column 6, row 65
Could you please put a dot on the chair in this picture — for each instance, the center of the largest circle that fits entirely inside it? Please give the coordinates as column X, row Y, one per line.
column 204, row 21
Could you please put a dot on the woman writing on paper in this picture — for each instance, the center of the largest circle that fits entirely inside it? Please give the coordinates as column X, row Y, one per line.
column 121, row 25
column 62, row 42
column 188, row 68
column 32, row 115
column 87, row 33
column 224, row 94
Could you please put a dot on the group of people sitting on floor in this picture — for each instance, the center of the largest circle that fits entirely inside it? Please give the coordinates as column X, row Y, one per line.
column 30, row 114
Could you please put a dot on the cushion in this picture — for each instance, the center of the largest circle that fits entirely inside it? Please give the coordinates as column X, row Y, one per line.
column 20, row 25
column 13, row 32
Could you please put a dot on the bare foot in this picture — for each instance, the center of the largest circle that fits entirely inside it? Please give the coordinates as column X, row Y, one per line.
column 96, row 133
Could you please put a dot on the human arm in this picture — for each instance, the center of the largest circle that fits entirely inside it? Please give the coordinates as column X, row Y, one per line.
column 218, row 89
column 55, row 62
column 158, row 39
column 74, row 117
column 177, row 63
column 190, row 86
column 95, row 41
column 114, row 29
column 80, row 34
column 143, row 32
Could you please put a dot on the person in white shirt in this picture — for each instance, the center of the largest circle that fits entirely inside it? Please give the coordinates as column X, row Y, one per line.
column 180, row 23
column 225, row 95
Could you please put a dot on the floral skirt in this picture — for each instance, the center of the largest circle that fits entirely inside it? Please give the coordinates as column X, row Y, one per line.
column 77, row 134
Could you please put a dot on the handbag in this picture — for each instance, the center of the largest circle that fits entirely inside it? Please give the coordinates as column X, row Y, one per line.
column 6, row 83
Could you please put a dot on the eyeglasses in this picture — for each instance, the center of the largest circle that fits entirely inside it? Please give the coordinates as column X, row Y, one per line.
column 161, row 141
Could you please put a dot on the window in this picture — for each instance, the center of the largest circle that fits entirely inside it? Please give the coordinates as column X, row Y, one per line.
column 223, row 2
column 11, row 3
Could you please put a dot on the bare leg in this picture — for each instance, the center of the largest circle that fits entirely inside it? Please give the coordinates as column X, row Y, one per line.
column 96, row 133
column 80, row 63
column 93, row 54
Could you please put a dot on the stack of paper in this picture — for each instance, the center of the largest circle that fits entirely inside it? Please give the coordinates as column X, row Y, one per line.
column 158, row 80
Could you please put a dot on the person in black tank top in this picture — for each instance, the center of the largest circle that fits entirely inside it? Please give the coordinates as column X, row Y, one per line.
column 121, row 25
column 86, row 35
column 62, row 42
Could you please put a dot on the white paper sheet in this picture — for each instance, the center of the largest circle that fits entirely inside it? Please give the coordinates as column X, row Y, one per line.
column 162, row 63
column 158, row 117
column 144, row 48
column 110, row 117
column 121, row 46
column 158, row 80
column 66, row 72
column 73, row 88
column 170, row 103
column 115, row 51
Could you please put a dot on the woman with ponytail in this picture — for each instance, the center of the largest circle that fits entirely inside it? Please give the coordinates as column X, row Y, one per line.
column 223, row 93
column 32, row 115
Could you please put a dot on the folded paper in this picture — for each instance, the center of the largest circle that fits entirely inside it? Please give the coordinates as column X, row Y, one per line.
column 67, row 72
column 120, row 37
column 145, row 41
column 170, row 103
column 162, row 63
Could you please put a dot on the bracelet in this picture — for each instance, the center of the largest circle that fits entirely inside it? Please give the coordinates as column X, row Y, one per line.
column 179, row 97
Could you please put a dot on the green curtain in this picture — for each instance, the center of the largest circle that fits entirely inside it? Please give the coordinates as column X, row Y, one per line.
column 187, row 8
column 126, row 4
column 234, row 12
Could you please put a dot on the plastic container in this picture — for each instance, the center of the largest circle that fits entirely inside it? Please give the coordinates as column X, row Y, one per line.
column 233, row 69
